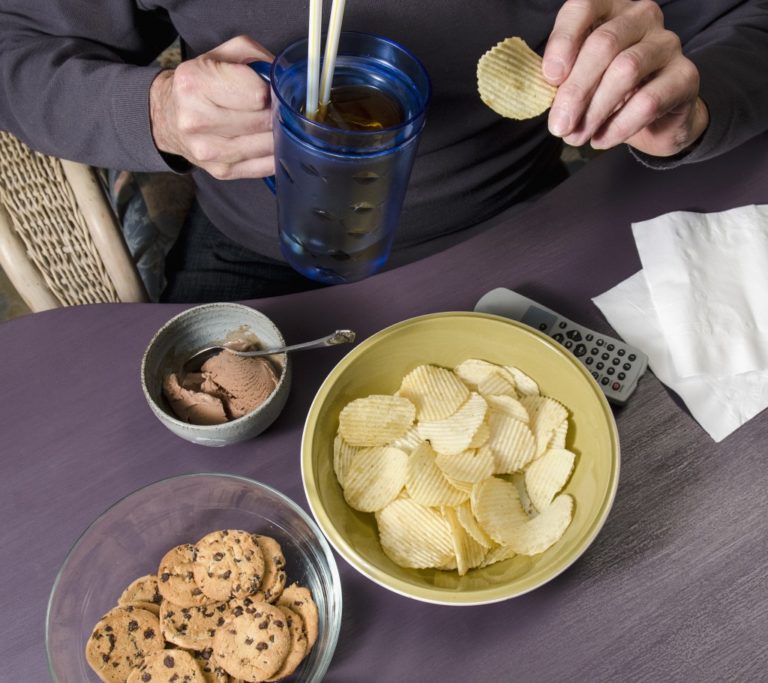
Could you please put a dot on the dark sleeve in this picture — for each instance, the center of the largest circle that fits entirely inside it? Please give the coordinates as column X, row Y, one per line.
column 75, row 79
column 728, row 41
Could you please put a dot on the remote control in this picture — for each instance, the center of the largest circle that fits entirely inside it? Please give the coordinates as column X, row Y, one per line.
column 616, row 366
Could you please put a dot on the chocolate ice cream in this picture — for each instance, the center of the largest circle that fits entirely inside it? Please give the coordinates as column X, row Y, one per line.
column 227, row 387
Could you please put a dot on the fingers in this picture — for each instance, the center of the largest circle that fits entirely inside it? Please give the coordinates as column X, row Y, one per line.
column 597, row 54
column 223, row 84
column 210, row 149
column 573, row 23
column 252, row 168
column 203, row 118
column 623, row 76
column 670, row 95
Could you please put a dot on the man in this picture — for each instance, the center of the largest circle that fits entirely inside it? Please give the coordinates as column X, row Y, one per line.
column 77, row 84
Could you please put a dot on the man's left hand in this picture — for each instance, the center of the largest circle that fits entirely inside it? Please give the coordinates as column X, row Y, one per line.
column 622, row 78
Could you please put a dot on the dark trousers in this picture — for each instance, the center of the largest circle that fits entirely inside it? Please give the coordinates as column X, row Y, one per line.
column 205, row 266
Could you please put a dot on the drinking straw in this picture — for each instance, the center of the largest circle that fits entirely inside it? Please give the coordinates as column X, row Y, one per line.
column 331, row 48
column 313, row 56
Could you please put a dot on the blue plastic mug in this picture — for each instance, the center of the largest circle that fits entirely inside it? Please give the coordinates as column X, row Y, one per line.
column 340, row 192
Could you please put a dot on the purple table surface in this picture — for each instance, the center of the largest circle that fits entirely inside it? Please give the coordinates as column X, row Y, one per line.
column 674, row 587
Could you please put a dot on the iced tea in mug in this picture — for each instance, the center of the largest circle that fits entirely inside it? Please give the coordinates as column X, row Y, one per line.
column 340, row 179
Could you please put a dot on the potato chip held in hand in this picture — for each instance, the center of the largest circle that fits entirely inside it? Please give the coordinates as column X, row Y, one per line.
column 510, row 81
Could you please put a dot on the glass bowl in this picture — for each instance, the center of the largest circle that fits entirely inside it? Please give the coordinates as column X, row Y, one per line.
column 130, row 538
column 377, row 366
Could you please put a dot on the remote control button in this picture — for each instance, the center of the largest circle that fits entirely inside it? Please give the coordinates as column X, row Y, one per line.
column 558, row 337
column 616, row 361
column 595, row 375
column 589, row 360
column 605, row 356
column 593, row 351
column 580, row 350
column 620, row 352
column 610, row 371
column 589, row 337
column 610, row 347
column 631, row 357
column 543, row 327
column 568, row 343
column 574, row 334
column 615, row 386
column 627, row 366
column 600, row 365
column 604, row 381
column 600, row 342
column 621, row 375
column 562, row 326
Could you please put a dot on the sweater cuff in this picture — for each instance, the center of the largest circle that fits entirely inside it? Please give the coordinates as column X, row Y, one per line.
column 132, row 125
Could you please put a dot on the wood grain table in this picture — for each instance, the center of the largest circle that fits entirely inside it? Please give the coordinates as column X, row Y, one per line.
column 673, row 589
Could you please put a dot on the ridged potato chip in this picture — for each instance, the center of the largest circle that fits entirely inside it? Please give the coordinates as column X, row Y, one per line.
column 468, row 466
column 473, row 371
column 497, row 383
column 375, row 477
column 544, row 530
column 376, row 420
column 408, row 441
column 454, row 434
column 498, row 553
column 496, row 506
column 468, row 520
column 413, row 535
column 512, row 443
column 509, row 406
column 342, row 457
column 559, row 435
column 436, row 392
column 481, row 436
column 524, row 384
column 425, row 481
column 547, row 414
column 510, row 80
column 546, row 476
column 469, row 553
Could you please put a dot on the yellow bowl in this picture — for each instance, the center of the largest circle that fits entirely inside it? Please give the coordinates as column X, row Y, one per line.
column 377, row 365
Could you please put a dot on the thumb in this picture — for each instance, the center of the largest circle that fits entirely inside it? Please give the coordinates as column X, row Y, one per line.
column 240, row 50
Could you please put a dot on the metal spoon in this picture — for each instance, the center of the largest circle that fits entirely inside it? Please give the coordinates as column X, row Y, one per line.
column 194, row 362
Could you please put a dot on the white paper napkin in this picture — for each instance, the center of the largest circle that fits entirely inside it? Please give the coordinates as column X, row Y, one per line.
column 708, row 280
column 720, row 405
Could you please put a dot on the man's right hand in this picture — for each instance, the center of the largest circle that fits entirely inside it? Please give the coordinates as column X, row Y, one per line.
column 214, row 111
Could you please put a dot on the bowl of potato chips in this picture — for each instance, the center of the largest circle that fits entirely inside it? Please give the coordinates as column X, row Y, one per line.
column 460, row 458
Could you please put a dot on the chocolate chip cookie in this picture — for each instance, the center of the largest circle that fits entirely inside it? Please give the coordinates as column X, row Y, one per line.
column 228, row 564
column 273, row 582
column 167, row 666
column 192, row 627
column 120, row 642
column 254, row 642
column 142, row 593
column 176, row 579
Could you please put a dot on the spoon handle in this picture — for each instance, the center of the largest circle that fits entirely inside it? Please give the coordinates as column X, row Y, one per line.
column 338, row 337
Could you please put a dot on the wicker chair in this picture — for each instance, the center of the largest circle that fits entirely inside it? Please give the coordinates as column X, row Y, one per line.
column 60, row 243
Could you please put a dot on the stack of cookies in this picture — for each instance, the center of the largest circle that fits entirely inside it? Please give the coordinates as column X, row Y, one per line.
column 217, row 611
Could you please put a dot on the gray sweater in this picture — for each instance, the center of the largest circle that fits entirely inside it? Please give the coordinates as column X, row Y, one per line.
column 75, row 78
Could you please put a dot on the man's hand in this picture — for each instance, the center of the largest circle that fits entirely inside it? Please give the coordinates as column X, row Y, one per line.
column 214, row 111
column 622, row 77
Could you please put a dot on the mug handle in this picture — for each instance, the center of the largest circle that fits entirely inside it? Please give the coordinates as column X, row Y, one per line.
column 264, row 70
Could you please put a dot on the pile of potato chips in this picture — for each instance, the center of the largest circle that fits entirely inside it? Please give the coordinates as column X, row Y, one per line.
column 461, row 467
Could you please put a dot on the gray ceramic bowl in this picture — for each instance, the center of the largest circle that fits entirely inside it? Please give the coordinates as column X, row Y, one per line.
column 192, row 330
